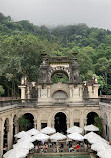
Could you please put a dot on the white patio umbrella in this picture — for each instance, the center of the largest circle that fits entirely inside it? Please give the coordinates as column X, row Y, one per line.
column 100, row 146
column 21, row 134
column 40, row 137
column 91, row 128
column 23, row 145
column 58, row 136
column 94, row 138
column 32, row 132
column 76, row 136
column 48, row 130
column 104, row 153
column 15, row 153
column 75, row 129
column 25, row 138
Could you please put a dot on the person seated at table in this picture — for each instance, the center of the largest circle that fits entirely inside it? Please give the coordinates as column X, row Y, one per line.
column 61, row 147
column 55, row 149
column 77, row 147
column 45, row 147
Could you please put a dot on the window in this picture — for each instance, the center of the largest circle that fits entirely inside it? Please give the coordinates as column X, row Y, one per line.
column 43, row 125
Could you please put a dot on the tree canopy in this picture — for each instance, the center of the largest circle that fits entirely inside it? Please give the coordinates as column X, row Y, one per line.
column 21, row 44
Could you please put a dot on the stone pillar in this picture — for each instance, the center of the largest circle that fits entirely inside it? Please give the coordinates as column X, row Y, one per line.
column 96, row 87
column 35, row 124
column 16, row 124
column 10, row 136
column 71, row 119
column 39, row 91
column 52, row 124
column 23, row 95
column 1, row 137
column 82, row 119
column 68, row 125
column 71, row 91
column 49, row 122
column 38, row 124
column 28, row 92
column 48, row 91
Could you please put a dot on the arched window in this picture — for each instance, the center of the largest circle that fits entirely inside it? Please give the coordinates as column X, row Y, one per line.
column 61, row 76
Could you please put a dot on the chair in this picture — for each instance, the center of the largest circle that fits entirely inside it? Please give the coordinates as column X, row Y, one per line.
column 71, row 149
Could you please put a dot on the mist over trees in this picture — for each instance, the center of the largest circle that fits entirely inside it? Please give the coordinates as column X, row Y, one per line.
column 21, row 44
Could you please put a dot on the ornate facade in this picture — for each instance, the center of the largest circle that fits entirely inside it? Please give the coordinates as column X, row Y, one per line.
column 50, row 102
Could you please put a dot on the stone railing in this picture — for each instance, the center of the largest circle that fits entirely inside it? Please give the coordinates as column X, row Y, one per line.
column 91, row 101
column 19, row 102
column 105, row 100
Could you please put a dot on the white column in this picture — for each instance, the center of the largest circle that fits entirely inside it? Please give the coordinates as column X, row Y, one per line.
column 23, row 95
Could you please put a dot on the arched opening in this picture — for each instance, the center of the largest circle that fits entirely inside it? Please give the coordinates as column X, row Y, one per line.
column 26, row 122
column 60, row 76
column 91, row 118
column 5, row 138
column 60, row 122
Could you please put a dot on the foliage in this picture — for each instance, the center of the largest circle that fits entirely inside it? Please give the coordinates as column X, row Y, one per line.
column 1, row 90
column 21, row 44
column 59, row 77
column 23, row 123
column 98, row 123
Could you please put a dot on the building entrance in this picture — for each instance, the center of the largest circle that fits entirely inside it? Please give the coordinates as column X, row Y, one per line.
column 60, row 123
column 91, row 118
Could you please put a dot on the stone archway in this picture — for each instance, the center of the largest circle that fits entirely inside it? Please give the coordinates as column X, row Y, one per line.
column 90, row 117
column 59, row 76
column 26, row 122
column 60, row 122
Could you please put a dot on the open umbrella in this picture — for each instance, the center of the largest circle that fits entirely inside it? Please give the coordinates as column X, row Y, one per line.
column 100, row 146
column 21, row 134
column 40, row 137
column 23, row 145
column 76, row 136
column 94, row 138
column 26, row 138
column 32, row 132
column 48, row 130
column 15, row 153
column 91, row 128
column 75, row 129
column 58, row 136
column 105, row 153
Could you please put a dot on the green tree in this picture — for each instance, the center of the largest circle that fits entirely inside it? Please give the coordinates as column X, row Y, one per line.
column 2, row 91
column 98, row 123
column 24, row 124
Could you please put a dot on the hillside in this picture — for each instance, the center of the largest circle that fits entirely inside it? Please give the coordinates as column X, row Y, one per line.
column 21, row 44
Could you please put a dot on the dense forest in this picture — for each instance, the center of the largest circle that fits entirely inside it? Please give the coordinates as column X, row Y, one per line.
column 21, row 44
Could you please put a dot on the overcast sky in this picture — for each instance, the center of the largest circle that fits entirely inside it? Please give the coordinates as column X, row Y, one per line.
column 60, row 12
